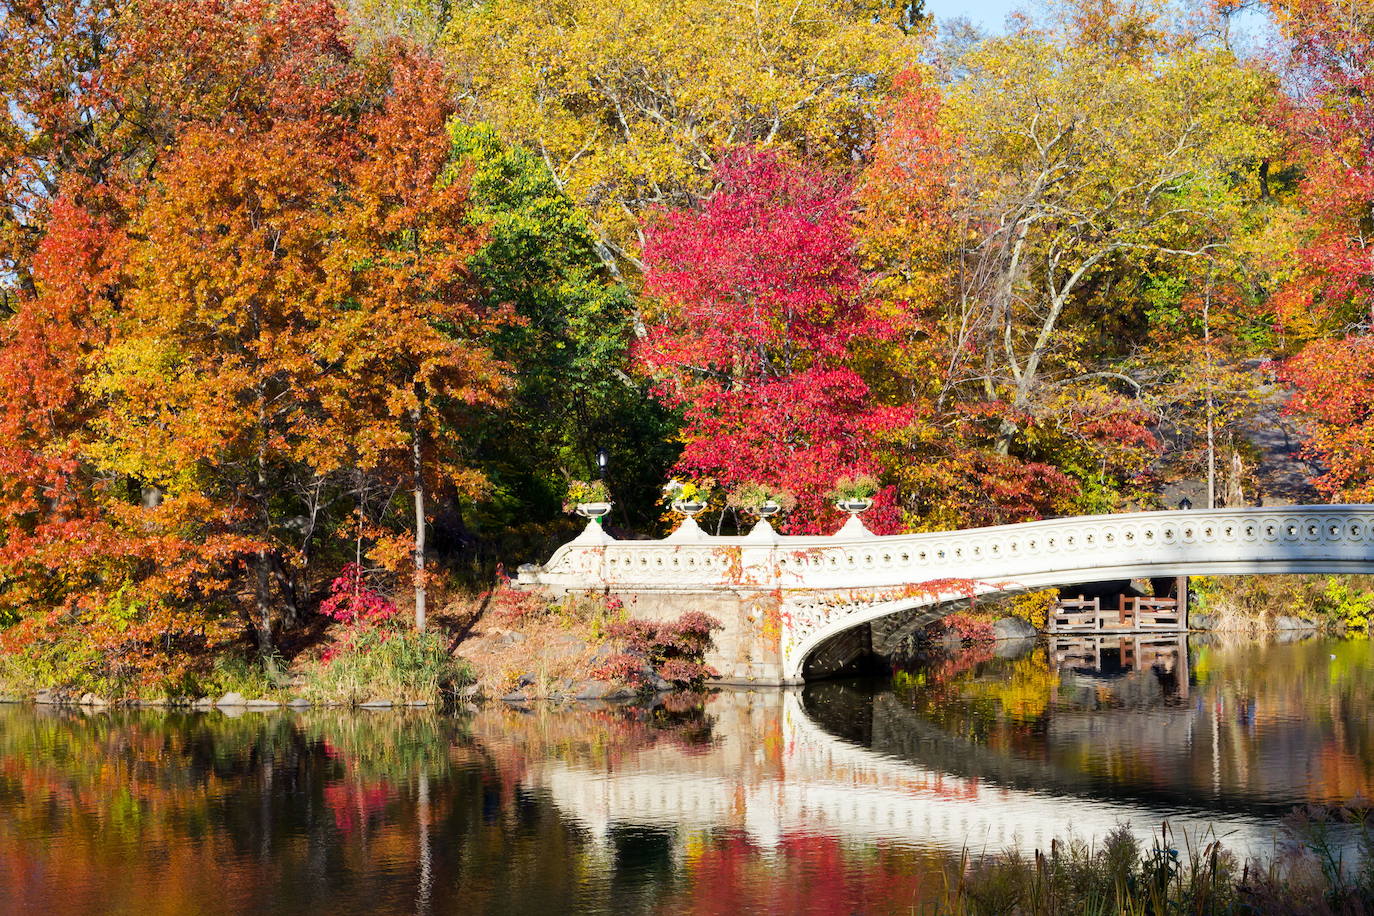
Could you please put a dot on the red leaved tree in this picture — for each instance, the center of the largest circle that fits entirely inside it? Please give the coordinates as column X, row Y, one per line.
column 763, row 308
column 1329, row 117
column 1334, row 391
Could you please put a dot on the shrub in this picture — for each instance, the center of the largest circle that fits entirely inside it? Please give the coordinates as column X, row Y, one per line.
column 590, row 613
column 1253, row 603
column 674, row 650
column 1343, row 605
column 351, row 600
column 509, row 605
column 970, row 628
column 58, row 651
column 234, row 672
column 1033, row 607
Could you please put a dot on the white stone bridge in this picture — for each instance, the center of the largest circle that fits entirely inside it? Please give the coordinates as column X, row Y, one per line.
column 781, row 598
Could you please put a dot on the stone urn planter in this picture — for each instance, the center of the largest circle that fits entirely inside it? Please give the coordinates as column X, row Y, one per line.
column 593, row 510
column 768, row 509
column 689, row 507
column 854, row 505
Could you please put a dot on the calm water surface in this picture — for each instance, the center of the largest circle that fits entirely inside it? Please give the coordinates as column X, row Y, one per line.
column 837, row 799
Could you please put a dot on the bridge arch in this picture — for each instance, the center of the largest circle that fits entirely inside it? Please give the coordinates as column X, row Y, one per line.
column 1061, row 552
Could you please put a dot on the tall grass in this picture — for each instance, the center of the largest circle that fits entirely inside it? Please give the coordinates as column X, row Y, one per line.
column 378, row 663
column 1310, row 875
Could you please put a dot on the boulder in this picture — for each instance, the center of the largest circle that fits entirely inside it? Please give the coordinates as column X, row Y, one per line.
column 528, row 679
column 298, row 703
column 1293, row 623
column 376, row 704
column 202, row 703
column 1012, row 628
column 231, row 701
column 262, row 704
column 1202, row 622
column 592, row 690
column 515, row 696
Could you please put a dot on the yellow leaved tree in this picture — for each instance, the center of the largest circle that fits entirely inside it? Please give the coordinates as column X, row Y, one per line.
column 631, row 102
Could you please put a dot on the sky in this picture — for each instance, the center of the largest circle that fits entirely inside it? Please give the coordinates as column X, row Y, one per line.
column 990, row 14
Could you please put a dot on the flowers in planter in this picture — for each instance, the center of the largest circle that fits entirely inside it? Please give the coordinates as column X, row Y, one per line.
column 760, row 499
column 684, row 491
column 853, row 489
column 583, row 493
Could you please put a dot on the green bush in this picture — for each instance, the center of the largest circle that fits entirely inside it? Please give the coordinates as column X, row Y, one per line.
column 1340, row 603
column 378, row 663
column 67, row 664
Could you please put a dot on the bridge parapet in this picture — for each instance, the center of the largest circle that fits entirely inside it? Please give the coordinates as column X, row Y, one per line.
column 784, row 595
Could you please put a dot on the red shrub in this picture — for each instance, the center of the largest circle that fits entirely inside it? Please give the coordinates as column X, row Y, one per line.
column 508, row 605
column 970, row 628
column 673, row 649
column 351, row 600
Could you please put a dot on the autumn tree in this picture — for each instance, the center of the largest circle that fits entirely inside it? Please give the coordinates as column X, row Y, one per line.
column 1096, row 152
column 208, row 384
column 58, row 122
column 1334, row 393
column 762, row 309
column 1330, row 290
column 411, row 337
column 131, row 101
column 1327, row 117
column 631, row 103
column 947, row 475
column 233, row 326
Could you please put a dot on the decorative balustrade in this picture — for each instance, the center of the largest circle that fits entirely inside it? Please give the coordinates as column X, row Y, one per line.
column 828, row 584
column 1252, row 540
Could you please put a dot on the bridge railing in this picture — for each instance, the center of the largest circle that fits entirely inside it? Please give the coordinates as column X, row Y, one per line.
column 1249, row 537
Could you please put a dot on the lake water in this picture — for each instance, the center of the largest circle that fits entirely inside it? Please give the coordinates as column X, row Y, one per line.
column 839, row 798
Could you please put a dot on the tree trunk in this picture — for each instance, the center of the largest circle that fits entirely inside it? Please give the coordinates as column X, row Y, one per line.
column 419, row 485
column 263, row 624
column 1211, row 404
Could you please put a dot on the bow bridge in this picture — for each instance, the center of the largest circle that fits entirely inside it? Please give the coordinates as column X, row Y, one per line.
column 783, row 598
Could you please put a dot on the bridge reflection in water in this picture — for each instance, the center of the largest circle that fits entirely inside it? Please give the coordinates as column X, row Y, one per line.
column 864, row 765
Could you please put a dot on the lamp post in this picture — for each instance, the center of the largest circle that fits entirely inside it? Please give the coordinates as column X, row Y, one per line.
column 1185, row 504
column 602, row 459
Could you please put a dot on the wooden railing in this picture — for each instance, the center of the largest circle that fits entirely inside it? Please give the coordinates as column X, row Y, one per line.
column 1132, row 615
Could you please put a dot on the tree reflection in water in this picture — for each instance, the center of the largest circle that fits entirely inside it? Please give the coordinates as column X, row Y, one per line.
column 844, row 798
